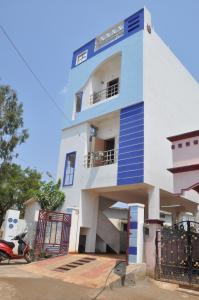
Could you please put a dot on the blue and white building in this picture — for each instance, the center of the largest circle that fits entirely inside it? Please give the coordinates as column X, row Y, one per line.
column 127, row 92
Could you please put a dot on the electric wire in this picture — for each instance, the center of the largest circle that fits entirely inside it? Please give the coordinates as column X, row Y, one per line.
column 104, row 287
column 42, row 86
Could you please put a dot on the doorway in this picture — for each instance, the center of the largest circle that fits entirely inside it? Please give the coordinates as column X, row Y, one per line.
column 82, row 243
column 109, row 147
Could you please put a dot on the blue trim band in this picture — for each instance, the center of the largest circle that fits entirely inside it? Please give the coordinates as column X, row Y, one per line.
column 133, row 225
column 132, row 25
column 132, row 250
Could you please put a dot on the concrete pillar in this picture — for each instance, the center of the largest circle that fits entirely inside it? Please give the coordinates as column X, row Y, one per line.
column 10, row 224
column 74, row 230
column 10, row 227
column 196, row 215
column 177, row 217
column 91, row 240
column 135, row 250
column 154, row 204
column 154, row 224
column 89, row 217
column 150, row 246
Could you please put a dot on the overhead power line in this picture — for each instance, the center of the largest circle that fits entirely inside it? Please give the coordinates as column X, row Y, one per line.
column 32, row 72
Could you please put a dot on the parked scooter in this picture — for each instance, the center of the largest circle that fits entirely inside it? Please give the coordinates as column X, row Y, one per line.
column 6, row 249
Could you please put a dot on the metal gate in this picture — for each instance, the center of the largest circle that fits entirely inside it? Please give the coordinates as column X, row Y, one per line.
column 52, row 233
column 177, row 253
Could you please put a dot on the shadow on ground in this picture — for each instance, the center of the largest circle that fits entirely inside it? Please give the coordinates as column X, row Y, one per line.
column 53, row 289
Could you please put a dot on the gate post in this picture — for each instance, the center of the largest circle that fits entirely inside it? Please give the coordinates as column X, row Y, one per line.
column 150, row 246
column 135, row 242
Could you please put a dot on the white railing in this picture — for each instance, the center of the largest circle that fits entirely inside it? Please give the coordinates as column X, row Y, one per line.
column 100, row 158
column 107, row 40
column 105, row 93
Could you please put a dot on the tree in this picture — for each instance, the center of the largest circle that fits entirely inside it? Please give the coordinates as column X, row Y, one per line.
column 16, row 186
column 49, row 195
column 12, row 132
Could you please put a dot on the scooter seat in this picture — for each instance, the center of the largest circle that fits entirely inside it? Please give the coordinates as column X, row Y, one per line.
column 10, row 244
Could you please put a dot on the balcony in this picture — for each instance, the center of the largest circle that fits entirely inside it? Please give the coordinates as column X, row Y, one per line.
column 110, row 91
column 100, row 158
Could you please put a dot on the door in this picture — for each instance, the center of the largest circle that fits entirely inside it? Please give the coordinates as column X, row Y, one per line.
column 82, row 243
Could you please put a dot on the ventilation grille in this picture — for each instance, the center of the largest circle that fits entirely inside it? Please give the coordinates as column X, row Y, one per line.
column 135, row 22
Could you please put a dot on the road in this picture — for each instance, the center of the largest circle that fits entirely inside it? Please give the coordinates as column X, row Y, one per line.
column 17, row 284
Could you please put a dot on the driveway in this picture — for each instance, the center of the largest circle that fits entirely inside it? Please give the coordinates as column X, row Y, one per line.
column 19, row 284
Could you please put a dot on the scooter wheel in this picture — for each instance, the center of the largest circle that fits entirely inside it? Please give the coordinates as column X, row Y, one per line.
column 28, row 257
column 3, row 256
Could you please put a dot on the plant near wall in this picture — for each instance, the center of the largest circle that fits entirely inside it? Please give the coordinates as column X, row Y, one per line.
column 16, row 186
column 49, row 196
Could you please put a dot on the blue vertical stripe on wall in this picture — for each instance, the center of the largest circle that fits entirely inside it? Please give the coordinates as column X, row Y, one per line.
column 131, row 145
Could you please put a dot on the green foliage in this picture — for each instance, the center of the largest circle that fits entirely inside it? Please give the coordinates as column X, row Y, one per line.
column 49, row 196
column 16, row 186
column 11, row 123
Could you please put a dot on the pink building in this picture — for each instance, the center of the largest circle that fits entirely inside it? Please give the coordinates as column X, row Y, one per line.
column 185, row 170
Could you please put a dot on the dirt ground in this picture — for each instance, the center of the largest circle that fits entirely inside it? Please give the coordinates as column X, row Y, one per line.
column 19, row 281
column 52, row 289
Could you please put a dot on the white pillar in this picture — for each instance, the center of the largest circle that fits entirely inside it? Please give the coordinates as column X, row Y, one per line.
column 154, row 225
column 136, row 222
column 196, row 215
column 89, row 211
column 154, row 204
column 74, row 230
column 10, row 224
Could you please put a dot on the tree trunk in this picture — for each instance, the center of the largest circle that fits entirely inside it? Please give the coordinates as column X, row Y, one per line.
column 1, row 219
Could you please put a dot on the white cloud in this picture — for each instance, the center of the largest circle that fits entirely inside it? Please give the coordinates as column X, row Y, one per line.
column 64, row 90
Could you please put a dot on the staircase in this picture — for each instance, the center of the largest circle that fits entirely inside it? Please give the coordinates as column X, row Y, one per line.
column 105, row 229
column 105, row 203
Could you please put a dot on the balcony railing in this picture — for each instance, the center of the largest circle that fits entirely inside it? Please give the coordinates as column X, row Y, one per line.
column 105, row 93
column 100, row 158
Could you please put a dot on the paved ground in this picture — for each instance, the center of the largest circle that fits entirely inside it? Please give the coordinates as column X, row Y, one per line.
column 90, row 274
column 28, row 282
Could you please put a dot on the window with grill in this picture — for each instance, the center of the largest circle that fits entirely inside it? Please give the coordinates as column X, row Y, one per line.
column 69, row 170
column 112, row 88
column 81, row 57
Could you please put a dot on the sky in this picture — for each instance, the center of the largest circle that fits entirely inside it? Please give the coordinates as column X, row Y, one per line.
column 47, row 32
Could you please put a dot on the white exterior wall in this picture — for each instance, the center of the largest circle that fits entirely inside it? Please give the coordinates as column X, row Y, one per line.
column 77, row 139
column 106, row 72
column 116, row 216
column 171, row 107
column 109, row 128
column 31, row 219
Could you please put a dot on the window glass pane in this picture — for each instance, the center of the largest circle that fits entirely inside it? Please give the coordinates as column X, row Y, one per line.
column 69, row 168
column 79, row 101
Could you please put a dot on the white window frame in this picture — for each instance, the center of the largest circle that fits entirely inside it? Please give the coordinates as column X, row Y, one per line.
column 81, row 57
